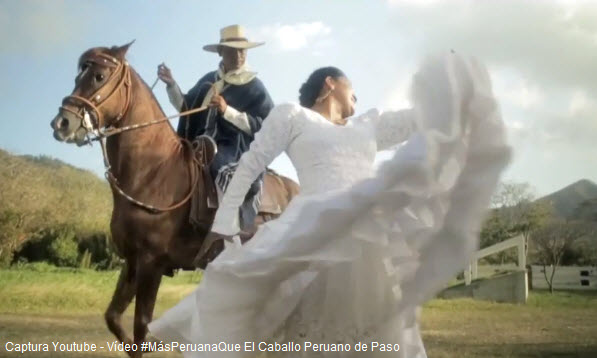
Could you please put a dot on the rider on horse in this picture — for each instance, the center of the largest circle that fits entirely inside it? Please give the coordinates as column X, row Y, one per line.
column 238, row 103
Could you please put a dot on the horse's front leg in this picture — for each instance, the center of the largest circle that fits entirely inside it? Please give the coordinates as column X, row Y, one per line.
column 149, row 276
column 123, row 295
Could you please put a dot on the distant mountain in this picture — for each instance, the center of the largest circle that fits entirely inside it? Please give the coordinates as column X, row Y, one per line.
column 587, row 210
column 567, row 201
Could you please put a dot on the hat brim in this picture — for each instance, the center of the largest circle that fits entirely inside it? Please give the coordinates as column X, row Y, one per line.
column 233, row 44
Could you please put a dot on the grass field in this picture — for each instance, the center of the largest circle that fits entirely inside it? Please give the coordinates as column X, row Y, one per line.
column 41, row 304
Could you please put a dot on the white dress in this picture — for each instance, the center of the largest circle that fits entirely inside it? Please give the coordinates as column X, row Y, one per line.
column 358, row 250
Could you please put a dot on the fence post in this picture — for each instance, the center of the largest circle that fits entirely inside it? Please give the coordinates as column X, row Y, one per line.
column 522, row 257
column 467, row 275
column 474, row 268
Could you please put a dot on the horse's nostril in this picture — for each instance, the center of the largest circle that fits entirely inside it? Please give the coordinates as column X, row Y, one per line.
column 62, row 123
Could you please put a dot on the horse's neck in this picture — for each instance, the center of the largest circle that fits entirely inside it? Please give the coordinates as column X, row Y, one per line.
column 144, row 108
column 150, row 151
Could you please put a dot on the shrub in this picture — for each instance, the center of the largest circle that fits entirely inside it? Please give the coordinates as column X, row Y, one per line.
column 101, row 249
column 85, row 262
column 64, row 250
column 10, row 232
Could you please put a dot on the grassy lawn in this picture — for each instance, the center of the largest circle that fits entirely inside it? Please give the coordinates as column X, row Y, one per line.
column 41, row 304
column 558, row 325
column 44, row 289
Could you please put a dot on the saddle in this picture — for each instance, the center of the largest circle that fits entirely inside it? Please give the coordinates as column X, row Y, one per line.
column 276, row 192
column 274, row 195
column 205, row 197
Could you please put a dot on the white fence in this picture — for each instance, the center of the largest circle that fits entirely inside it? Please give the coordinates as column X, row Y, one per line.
column 471, row 272
column 566, row 278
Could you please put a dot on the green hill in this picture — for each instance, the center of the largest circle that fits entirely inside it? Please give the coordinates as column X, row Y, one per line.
column 38, row 194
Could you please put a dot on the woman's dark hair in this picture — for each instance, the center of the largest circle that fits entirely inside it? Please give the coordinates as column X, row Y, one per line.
column 310, row 90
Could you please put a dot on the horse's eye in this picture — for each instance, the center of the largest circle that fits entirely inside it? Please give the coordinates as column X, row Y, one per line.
column 99, row 77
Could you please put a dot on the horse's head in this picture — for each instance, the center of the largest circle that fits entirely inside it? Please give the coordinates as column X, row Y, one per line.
column 100, row 98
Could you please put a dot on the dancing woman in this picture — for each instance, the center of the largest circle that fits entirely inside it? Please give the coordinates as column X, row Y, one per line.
column 359, row 249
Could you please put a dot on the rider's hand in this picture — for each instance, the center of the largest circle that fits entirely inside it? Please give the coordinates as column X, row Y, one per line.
column 165, row 75
column 218, row 102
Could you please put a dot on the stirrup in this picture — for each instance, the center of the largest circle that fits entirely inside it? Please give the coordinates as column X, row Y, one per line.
column 205, row 149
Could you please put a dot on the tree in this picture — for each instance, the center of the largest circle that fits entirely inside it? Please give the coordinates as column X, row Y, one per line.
column 552, row 239
column 11, row 235
column 514, row 213
column 510, row 194
column 531, row 215
column 493, row 231
column 584, row 251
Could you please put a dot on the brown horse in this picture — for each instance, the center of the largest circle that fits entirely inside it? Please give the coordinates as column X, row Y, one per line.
column 152, row 173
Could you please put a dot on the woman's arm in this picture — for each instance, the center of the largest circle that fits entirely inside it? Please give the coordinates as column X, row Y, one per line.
column 272, row 139
column 392, row 127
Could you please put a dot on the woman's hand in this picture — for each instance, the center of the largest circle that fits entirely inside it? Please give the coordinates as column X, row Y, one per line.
column 208, row 242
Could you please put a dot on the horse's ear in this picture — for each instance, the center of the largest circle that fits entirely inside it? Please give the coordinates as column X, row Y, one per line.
column 120, row 52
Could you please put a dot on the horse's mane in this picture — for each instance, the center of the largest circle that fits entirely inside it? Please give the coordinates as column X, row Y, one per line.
column 146, row 86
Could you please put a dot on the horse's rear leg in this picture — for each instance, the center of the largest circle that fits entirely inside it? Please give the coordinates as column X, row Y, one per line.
column 123, row 295
column 149, row 276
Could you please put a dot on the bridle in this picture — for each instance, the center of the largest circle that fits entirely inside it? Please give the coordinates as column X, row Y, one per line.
column 96, row 129
column 95, row 123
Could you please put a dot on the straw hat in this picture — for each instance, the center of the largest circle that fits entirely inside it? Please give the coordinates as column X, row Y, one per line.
column 232, row 36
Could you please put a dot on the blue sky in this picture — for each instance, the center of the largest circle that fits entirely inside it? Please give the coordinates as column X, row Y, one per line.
column 539, row 55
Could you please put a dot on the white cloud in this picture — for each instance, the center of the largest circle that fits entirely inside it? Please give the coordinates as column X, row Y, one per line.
column 580, row 104
column 297, row 36
column 517, row 125
column 521, row 94
column 573, row 127
column 527, row 96
column 537, row 38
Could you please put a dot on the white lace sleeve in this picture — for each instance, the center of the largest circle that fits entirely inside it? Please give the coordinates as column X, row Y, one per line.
column 392, row 127
column 272, row 139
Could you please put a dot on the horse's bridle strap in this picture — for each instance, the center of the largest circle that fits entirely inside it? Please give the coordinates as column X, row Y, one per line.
column 124, row 80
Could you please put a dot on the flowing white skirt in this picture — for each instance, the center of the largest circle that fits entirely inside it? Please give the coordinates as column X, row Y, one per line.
column 350, row 268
